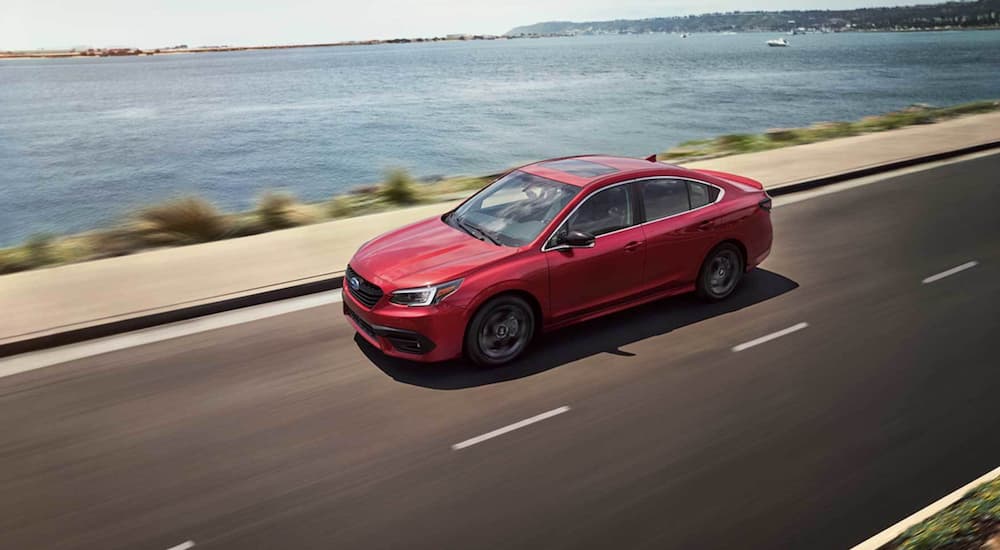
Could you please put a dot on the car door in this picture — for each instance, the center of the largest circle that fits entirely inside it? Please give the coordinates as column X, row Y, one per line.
column 584, row 280
column 680, row 229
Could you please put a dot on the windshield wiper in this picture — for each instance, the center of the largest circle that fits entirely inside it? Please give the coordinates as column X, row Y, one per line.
column 488, row 236
column 474, row 230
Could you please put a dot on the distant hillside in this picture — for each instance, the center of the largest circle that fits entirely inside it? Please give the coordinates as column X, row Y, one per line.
column 976, row 14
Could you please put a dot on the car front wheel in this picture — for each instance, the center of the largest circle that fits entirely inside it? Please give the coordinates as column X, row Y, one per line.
column 721, row 272
column 500, row 331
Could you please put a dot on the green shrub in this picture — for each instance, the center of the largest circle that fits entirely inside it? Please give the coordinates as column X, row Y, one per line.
column 829, row 130
column 181, row 221
column 735, row 140
column 399, row 187
column 277, row 211
column 971, row 108
column 678, row 153
column 783, row 134
column 966, row 524
column 340, row 207
column 696, row 143
column 12, row 260
column 922, row 117
column 114, row 242
column 366, row 190
column 38, row 250
column 738, row 143
column 892, row 121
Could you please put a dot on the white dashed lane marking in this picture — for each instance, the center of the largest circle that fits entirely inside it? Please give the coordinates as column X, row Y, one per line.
column 950, row 272
column 769, row 337
column 510, row 428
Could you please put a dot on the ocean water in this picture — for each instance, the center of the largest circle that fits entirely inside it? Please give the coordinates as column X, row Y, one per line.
column 85, row 141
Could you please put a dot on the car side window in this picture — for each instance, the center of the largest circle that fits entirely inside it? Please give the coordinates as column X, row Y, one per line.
column 603, row 212
column 702, row 194
column 699, row 194
column 664, row 197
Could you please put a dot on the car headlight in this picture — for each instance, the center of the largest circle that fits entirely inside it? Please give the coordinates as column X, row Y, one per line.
column 425, row 296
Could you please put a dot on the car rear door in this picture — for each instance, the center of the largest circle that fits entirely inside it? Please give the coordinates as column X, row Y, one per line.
column 680, row 229
column 586, row 280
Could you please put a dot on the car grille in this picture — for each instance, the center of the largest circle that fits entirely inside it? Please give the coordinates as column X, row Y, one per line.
column 361, row 322
column 366, row 293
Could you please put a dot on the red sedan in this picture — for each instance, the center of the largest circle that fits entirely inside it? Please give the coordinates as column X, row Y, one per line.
column 551, row 244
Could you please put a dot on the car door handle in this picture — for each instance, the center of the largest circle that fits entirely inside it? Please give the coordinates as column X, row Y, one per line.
column 707, row 224
column 633, row 246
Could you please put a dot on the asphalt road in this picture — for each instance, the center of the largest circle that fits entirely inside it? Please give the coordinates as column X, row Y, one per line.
column 286, row 433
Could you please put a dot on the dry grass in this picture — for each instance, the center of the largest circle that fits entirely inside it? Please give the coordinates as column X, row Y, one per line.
column 181, row 221
column 281, row 211
column 782, row 137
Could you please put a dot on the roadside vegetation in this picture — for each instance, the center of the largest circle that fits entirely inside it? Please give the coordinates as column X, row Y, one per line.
column 966, row 525
column 191, row 220
column 734, row 144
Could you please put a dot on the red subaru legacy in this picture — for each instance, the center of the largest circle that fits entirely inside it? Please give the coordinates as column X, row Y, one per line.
column 551, row 244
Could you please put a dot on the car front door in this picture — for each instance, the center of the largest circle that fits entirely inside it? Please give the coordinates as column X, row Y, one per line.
column 584, row 280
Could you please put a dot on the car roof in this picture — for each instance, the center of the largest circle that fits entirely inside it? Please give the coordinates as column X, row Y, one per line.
column 583, row 170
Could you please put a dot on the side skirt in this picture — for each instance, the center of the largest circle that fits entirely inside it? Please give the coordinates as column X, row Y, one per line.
column 614, row 307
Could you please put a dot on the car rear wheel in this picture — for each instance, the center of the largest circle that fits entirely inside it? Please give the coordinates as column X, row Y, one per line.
column 721, row 272
column 500, row 331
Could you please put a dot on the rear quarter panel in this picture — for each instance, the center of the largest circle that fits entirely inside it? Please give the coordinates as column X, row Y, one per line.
column 749, row 224
column 745, row 221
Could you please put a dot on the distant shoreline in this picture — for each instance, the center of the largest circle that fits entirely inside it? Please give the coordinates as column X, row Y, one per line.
column 137, row 52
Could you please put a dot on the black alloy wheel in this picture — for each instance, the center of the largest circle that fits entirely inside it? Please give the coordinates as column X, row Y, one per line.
column 500, row 331
column 721, row 272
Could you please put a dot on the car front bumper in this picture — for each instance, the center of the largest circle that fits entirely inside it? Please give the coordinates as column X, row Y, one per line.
column 414, row 333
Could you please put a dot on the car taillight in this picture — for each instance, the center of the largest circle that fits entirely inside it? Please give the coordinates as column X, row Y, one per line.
column 765, row 203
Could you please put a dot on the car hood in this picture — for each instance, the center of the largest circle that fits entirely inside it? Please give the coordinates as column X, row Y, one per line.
column 427, row 252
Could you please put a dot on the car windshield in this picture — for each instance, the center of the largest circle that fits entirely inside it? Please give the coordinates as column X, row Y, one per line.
column 514, row 209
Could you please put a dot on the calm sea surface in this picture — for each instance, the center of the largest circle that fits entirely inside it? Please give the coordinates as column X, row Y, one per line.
column 83, row 141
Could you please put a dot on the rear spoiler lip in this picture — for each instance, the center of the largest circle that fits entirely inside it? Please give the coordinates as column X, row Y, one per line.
column 739, row 181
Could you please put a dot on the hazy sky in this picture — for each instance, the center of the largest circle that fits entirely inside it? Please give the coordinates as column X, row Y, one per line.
column 26, row 24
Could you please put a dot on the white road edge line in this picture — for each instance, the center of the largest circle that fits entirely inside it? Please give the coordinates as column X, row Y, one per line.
column 769, row 337
column 183, row 546
column 25, row 362
column 510, row 428
column 799, row 196
column 891, row 533
column 950, row 272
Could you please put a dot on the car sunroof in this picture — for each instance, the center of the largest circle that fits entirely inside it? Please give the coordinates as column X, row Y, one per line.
column 577, row 167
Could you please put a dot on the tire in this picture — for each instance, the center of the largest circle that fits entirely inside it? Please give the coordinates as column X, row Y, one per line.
column 500, row 331
column 721, row 272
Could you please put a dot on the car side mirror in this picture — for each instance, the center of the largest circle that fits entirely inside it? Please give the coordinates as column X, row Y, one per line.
column 578, row 239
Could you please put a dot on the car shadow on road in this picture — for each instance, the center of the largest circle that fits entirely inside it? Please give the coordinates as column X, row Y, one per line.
column 605, row 335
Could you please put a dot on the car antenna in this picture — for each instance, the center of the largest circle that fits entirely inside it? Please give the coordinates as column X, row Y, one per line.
column 652, row 158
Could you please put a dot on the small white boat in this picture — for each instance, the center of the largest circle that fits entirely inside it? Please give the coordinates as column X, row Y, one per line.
column 778, row 43
column 685, row 35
